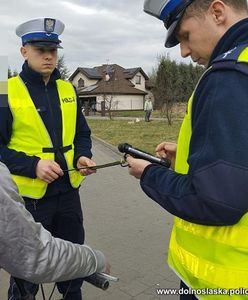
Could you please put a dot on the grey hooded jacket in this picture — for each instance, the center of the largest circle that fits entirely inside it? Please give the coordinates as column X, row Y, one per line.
column 28, row 251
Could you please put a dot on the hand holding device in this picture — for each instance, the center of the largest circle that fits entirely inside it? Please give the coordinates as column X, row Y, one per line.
column 137, row 153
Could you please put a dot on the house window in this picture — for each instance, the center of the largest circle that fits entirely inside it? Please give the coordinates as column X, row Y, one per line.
column 138, row 79
column 80, row 82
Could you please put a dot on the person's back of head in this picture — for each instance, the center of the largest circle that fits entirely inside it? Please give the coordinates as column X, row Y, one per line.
column 203, row 5
column 237, row 7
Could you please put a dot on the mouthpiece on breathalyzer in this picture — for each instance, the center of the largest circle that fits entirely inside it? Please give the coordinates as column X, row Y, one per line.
column 137, row 153
column 123, row 148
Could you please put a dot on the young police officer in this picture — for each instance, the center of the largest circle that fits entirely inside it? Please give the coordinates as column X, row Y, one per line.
column 207, row 191
column 43, row 134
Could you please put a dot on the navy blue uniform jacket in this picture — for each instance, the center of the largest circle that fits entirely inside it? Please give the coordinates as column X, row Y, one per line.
column 215, row 190
column 46, row 100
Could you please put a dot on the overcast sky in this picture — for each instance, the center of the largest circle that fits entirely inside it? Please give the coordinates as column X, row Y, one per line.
column 96, row 32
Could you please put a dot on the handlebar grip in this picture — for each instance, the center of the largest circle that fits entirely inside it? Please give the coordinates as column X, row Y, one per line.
column 98, row 280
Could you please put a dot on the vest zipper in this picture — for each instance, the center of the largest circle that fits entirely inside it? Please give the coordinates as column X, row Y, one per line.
column 51, row 118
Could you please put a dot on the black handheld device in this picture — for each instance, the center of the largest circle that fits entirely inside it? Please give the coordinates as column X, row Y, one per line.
column 137, row 153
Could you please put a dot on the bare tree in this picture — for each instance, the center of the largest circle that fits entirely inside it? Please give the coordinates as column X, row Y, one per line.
column 61, row 66
column 110, row 84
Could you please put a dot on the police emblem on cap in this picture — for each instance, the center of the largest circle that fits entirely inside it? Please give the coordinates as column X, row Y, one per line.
column 49, row 25
column 43, row 32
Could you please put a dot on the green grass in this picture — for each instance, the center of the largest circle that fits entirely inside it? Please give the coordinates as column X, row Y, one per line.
column 132, row 114
column 143, row 135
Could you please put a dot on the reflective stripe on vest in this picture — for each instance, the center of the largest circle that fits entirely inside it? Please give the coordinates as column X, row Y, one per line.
column 208, row 257
column 30, row 135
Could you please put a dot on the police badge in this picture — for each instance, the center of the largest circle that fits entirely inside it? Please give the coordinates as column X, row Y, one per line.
column 43, row 32
column 49, row 25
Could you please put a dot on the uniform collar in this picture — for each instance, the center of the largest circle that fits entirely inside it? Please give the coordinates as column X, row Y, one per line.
column 236, row 35
column 28, row 74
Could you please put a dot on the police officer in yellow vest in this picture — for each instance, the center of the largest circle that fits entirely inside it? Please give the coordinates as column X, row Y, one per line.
column 43, row 135
column 206, row 190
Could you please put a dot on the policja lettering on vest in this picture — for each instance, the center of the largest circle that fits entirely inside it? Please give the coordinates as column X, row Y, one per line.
column 68, row 100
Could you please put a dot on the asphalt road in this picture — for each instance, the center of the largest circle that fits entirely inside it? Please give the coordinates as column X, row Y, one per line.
column 129, row 228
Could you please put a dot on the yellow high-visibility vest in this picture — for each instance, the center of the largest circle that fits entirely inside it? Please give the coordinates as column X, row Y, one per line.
column 208, row 257
column 30, row 135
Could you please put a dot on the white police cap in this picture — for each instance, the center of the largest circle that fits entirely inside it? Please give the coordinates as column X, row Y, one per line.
column 170, row 12
column 42, row 32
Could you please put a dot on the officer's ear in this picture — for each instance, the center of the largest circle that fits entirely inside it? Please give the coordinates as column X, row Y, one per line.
column 218, row 9
column 24, row 52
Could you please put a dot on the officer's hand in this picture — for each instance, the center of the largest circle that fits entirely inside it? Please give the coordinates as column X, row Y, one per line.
column 136, row 166
column 48, row 170
column 84, row 161
column 167, row 150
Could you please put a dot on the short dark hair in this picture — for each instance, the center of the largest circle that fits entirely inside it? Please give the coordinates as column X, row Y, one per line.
column 203, row 5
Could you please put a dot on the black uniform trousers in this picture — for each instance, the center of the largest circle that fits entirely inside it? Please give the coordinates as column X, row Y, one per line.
column 62, row 216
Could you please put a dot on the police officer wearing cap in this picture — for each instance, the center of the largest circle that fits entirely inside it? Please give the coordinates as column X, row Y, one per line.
column 43, row 135
column 207, row 189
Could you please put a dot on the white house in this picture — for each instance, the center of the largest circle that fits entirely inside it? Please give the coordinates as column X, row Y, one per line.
column 112, row 87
